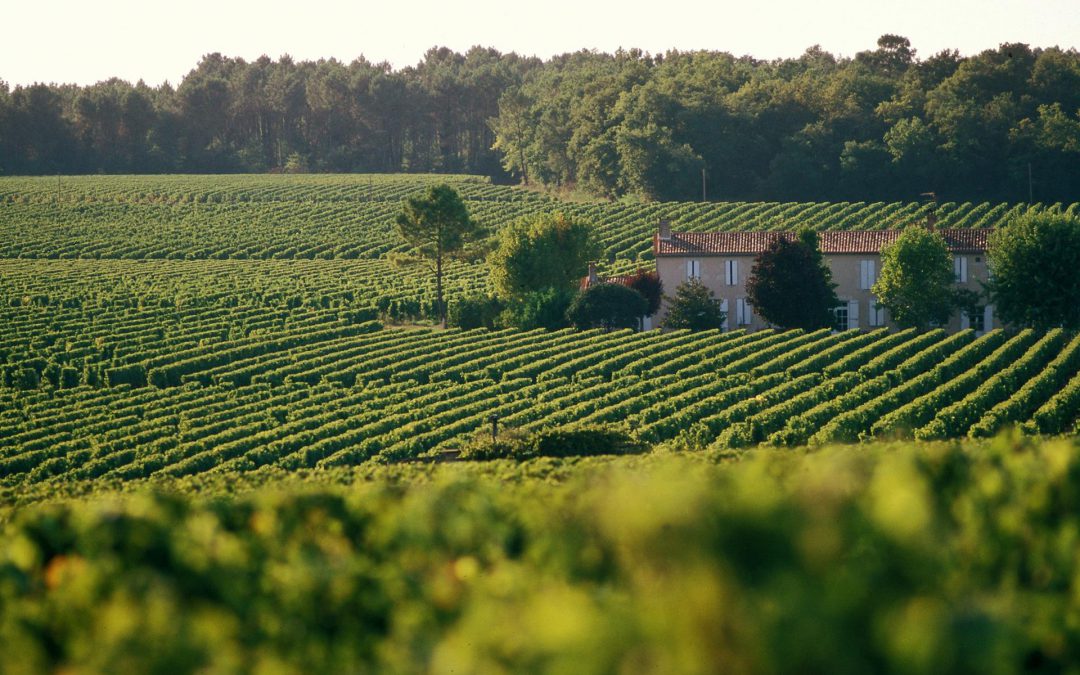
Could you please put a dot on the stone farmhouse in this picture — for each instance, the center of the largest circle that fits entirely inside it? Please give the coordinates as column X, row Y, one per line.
column 722, row 261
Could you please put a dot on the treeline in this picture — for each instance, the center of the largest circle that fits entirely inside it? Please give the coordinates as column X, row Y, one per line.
column 883, row 125
column 229, row 115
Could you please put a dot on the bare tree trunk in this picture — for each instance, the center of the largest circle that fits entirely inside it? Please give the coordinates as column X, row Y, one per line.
column 440, row 308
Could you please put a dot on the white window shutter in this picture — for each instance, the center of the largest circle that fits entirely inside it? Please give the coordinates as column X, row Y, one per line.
column 740, row 309
column 965, row 321
column 749, row 310
column 853, row 314
column 960, row 268
column 689, row 269
column 873, row 274
column 727, row 317
column 988, row 318
column 864, row 274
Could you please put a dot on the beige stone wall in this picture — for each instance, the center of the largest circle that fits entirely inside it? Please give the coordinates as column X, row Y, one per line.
column 846, row 270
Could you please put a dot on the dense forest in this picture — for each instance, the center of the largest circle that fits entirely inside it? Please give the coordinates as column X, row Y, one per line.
column 883, row 125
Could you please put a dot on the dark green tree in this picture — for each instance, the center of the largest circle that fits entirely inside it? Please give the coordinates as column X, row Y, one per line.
column 917, row 280
column 791, row 286
column 1036, row 271
column 608, row 306
column 694, row 307
column 437, row 225
column 545, row 308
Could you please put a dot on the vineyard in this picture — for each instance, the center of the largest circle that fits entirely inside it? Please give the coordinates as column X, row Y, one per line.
column 223, row 445
column 311, row 389
column 351, row 216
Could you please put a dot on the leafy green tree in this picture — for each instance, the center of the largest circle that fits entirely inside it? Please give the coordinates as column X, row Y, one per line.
column 694, row 307
column 545, row 308
column 549, row 251
column 476, row 311
column 1036, row 271
column 791, row 286
column 917, row 280
column 437, row 225
column 608, row 306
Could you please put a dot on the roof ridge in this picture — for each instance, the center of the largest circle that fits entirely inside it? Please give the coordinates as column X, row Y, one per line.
column 959, row 240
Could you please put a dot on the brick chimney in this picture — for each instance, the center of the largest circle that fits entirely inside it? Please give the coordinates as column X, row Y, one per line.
column 593, row 278
column 665, row 230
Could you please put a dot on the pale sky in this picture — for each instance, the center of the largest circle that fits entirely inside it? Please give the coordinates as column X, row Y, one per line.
column 84, row 41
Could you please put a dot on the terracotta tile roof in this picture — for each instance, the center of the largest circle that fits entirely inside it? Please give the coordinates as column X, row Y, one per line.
column 830, row 241
column 622, row 279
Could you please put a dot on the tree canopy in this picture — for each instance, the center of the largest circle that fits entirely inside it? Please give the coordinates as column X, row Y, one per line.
column 1035, row 262
column 608, row 306
column 546, row 251
column 886, row 124
column 437, row 225
column 917, row 280
column 791, row 286
column 694, row 307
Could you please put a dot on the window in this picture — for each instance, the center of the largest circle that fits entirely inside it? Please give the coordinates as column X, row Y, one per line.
column 744, row 312
column 978, row 320
column 847, row 315
column 876, row 316
column 841, row 317
column 693, row 269
column 867, row 274
column 960, row 269
column 731, row 272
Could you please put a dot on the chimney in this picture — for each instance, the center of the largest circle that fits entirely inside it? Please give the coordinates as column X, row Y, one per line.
column 665, row 230
column 593, row 279
column 931, row 220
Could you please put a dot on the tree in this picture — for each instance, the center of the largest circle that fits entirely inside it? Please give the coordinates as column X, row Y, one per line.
column 1035, row 260
column 437, row 225
column 648, row 284
column 694, row 307
column 545, row 308
column 791, row 286
column 916, row 282
column 608, row 306
column 549, row 251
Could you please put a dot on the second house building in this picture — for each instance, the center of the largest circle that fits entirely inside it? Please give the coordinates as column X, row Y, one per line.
column 722, row 262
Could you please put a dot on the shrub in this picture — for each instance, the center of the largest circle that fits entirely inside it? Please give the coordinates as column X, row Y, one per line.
column 478, row 311
column 607, row 306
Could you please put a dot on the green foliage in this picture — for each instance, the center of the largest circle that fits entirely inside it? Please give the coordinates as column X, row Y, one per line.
column 539, row 309
column 836, row 559
column 477, row 311
column 571, row 441
column 694, row 307
column 1035, row 260
column 547, row 251
column 437, row 225
column 916, row 280
column 791, row 286
column 608, row 306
